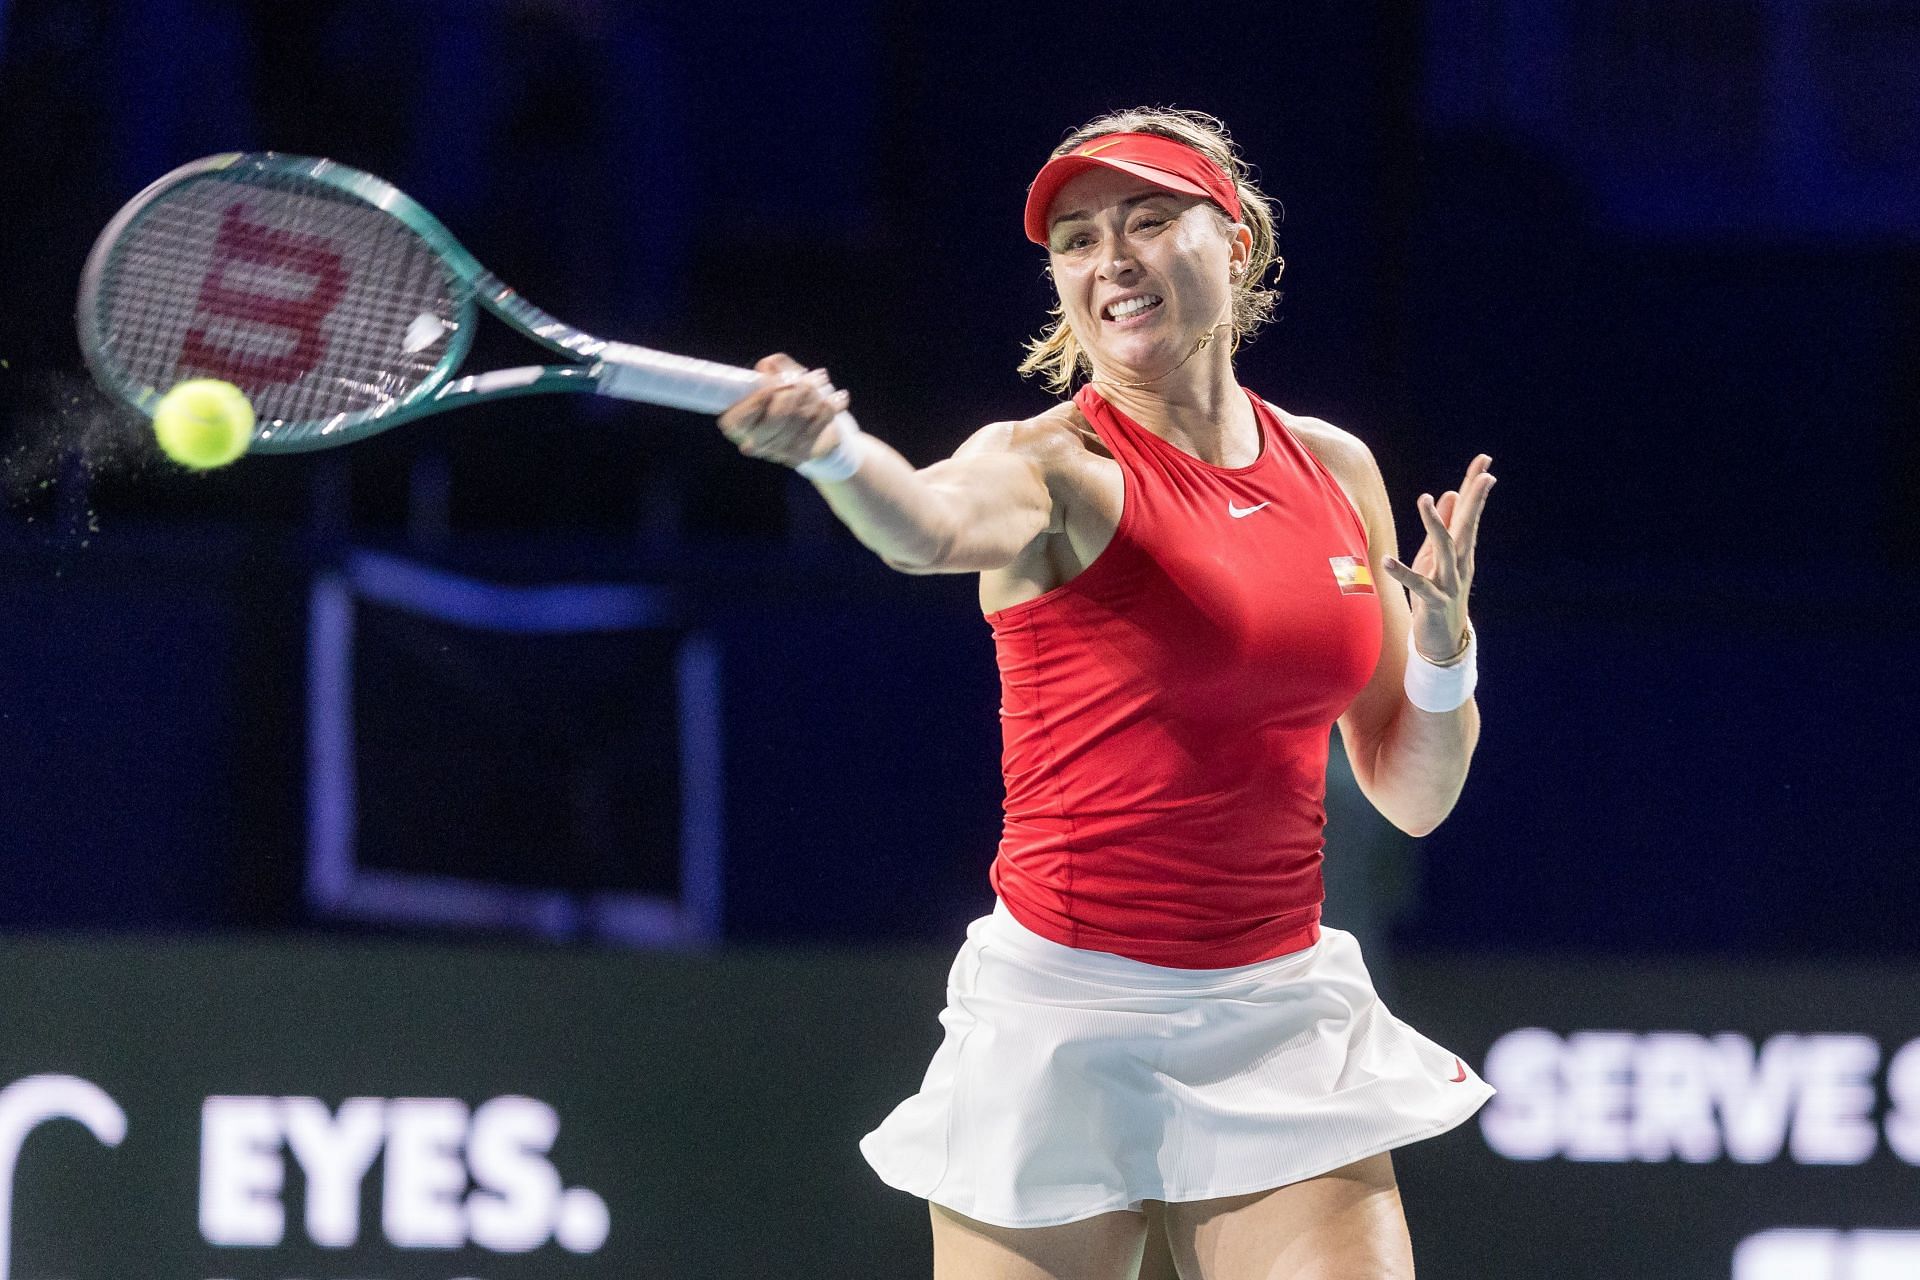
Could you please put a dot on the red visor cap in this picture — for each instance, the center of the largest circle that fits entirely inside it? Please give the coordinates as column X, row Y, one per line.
column 1147, row 156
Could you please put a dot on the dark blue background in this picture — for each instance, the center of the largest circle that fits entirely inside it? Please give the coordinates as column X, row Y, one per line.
column 1658, row 260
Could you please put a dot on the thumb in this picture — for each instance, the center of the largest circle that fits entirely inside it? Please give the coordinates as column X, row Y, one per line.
column 779, row 363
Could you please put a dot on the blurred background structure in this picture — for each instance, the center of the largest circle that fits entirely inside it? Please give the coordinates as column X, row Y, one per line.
column 553, row 752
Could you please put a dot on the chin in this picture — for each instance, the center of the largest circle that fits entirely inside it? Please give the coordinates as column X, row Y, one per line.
column 1134, row 362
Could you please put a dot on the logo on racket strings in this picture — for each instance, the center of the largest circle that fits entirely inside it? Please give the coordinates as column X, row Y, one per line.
column 265, row 339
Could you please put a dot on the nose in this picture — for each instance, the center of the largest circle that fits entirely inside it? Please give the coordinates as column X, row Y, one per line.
column 1116, row 259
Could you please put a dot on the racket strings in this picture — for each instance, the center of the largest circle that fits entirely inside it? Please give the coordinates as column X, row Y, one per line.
column 317, row 305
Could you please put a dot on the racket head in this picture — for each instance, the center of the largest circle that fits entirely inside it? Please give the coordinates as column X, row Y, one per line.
column 334, row 301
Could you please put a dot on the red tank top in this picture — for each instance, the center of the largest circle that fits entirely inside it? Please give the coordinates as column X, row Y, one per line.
column 1166, row 713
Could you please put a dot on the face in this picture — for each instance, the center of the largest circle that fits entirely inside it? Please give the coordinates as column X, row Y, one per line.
column 1141, row 271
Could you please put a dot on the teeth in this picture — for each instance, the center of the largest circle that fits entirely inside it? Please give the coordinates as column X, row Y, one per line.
column 1132, row 306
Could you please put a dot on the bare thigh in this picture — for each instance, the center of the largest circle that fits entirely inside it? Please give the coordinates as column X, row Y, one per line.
column 1106, row 1247
column 1156, row 1261
column 1344, row 1225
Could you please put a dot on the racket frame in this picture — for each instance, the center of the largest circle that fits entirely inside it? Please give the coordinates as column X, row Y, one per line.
column 600, row 366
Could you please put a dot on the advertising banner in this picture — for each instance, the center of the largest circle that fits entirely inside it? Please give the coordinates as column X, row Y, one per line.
column 377, row 1110
column 380, row 1111
column 1674, row 1119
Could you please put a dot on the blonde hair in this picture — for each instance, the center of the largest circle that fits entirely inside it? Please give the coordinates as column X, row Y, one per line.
column 1055, row 354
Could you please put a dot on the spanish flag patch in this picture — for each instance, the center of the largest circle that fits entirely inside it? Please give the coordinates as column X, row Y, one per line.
column 1353, row 575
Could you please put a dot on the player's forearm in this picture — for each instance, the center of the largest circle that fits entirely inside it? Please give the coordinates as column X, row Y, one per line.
column 890, row 507
column 1421, row 765
column 953, row 517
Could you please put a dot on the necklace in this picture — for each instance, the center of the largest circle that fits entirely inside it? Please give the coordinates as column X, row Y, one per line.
column 1199, row 344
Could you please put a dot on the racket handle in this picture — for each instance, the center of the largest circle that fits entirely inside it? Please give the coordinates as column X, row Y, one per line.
column 678, row 382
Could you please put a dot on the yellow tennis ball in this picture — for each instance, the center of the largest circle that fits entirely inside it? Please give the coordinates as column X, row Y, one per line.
column 203, row 423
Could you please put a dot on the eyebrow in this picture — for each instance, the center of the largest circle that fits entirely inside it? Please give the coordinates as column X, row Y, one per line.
column 1083, row 215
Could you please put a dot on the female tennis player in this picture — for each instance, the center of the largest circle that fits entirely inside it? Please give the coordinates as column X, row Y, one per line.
column 1154, row 1052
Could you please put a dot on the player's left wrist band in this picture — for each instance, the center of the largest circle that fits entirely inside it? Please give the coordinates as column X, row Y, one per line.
column 1441, row 689
column 841, row 461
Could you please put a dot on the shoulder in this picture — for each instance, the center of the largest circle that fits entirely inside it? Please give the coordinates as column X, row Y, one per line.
column 1050, row 439
column 1058, row 445
column 1348, row 459
column 1339, row 451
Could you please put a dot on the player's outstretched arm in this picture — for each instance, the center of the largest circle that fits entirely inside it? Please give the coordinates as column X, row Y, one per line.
column 976, row 510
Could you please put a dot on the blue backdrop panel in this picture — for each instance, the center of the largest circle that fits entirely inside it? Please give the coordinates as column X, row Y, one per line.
column 120, row 725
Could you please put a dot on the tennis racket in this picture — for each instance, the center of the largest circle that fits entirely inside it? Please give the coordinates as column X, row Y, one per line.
column 336, row 303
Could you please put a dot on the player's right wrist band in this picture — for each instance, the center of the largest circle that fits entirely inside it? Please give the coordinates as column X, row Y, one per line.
column 841, row 461
column 1442, row 689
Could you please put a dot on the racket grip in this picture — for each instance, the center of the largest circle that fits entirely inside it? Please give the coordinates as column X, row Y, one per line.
column 678, row 382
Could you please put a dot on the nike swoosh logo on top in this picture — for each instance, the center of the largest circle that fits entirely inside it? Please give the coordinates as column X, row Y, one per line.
column 1238, row 512
column 1462, row 1068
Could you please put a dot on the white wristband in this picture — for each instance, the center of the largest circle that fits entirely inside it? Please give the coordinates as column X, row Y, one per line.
column 1441, row 689
column 841, row 461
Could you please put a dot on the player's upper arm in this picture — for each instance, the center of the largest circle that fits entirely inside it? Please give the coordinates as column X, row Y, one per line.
column 994, row 497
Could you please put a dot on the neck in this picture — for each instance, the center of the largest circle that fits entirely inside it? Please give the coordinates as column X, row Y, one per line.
column 1198, row 407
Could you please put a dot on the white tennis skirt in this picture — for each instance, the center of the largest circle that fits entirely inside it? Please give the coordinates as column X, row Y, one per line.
column 1073, row 1083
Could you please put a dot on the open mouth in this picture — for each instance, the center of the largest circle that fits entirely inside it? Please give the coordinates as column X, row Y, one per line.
column 1131, row 308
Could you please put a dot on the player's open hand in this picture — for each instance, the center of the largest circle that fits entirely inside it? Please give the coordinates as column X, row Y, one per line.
column 785, row 419
column 1442, row 572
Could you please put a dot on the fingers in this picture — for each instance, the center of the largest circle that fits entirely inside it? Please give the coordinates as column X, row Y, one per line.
column 1437, row 554
column 1452, row 526
column 776, row 370
column 1473, row 494
column 796, row 415
column 1477, row 486
column 781, row 419
column 1463, row 517
column 1418, row 584
column 770, row 396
